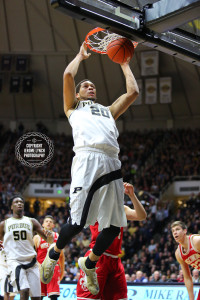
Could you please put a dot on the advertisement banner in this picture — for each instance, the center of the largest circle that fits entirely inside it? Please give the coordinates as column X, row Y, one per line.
column 136, row 292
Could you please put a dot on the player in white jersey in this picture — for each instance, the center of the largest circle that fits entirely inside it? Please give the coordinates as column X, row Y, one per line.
column 5, row 286
column 17, row 235
column 97, row 191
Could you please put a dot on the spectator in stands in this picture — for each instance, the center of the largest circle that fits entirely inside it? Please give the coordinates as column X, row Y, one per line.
column 163, row 278
column 152, row 246
column 128, row 278
column 195, row 276
column 140, row 277
column 76, row 278
column 156, row 276
column 173, row 278
column 133, row 277
column 180, row 277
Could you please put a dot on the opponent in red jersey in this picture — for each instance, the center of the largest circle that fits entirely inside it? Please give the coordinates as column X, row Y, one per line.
column 187, row 253
column 41, row 246
column 110, row 271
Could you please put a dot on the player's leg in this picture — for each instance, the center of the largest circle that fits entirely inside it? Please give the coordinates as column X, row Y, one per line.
column 18, row 279
column 11, row 296
column 6, row 296
column 24, row 294
column 43, row 290
column 68, row 231
column 35, row 298
column 53, row 288
column 4, row 285
column 6, row 288
column 33, row 277
column 198, row 297
column 116, row 286
column 101, row 270
column 105, row 238
column 103, row 241
column 108, row 199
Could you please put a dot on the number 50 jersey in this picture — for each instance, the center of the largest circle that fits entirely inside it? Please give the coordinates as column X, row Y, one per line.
column 18, row 239
column 94, row 126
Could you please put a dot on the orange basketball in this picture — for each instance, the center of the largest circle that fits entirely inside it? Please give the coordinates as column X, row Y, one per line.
column 120, row 50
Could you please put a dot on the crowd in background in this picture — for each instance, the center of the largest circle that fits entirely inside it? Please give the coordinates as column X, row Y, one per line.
column 150, row 160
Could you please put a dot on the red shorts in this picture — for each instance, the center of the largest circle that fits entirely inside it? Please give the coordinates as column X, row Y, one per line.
column 52, row 288
column 111, row 278
column 198, row 298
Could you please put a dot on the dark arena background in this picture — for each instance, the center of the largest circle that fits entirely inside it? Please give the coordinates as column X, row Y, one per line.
column 159, row 135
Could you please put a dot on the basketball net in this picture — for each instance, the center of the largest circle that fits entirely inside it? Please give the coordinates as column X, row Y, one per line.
column 98, row 40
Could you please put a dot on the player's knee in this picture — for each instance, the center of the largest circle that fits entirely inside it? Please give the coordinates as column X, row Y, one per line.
column 68, row 231
column 24, row 293
column 113, row 231
column 71, row 228
column 116, row 230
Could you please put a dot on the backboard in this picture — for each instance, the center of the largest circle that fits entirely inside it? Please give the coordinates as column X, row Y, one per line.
column 166, row 25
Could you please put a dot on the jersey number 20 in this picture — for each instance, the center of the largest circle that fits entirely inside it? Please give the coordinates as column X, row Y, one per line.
column 20, row 235
column 99, row 111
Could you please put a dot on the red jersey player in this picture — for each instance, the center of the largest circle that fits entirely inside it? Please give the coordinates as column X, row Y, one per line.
column 41, row 246
column 110, row 271
column 187, row 253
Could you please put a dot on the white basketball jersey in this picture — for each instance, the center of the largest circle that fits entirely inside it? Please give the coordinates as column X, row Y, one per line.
column 3, row 259
column 93, row 126
column 18, row 239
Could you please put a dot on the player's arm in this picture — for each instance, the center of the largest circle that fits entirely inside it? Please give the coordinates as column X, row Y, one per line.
column 187, row 275
column 138, row 213
column 1, row 233
column 132, row 91
column 69, row 89
column 62, row 264
column 44, row 234
column 196, row 242
column 36, row 240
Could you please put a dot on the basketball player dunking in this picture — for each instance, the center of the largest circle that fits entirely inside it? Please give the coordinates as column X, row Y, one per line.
column 96, row 192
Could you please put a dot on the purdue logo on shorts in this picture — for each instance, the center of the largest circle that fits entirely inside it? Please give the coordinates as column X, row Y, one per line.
column 77, row 189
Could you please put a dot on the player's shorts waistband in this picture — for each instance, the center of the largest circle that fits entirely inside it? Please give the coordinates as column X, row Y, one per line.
column 108, row 254
column 108, row 152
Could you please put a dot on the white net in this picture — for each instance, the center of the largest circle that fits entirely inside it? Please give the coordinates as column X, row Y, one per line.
column 101, row 39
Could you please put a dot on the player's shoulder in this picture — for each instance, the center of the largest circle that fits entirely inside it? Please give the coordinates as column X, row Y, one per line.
column 2, row 223
column 195, row 238
column 26, row 218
